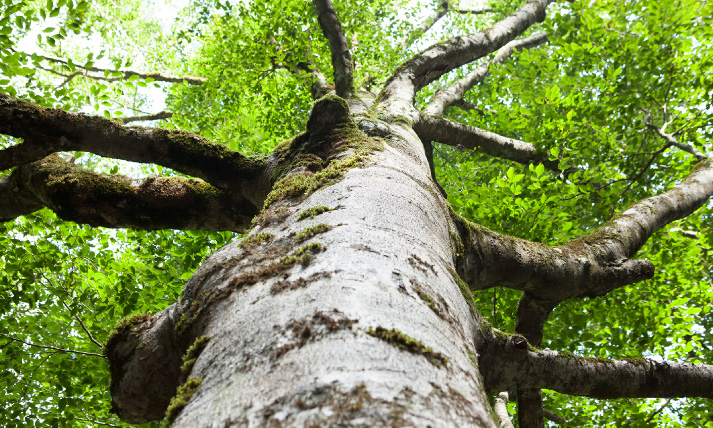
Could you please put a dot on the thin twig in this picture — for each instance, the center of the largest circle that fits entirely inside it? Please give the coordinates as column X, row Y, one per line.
column 94, row 341
column 669, row 137
column 648, row 164
column 92, row 354
column 659, row 410
column 161, row 77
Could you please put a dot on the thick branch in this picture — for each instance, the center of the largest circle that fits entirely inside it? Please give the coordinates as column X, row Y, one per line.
column 159, row 77
column 531, row 317
column 85, row 197
column 46, row 131
column 508, row 364
column 341, row 56
column 589, row 266
column 397, row 96
column 446, row 97
column 434, row 128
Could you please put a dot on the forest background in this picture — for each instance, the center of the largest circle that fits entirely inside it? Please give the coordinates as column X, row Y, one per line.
column 584, row 96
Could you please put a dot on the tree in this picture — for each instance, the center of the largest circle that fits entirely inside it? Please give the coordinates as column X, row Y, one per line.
column 359, row 294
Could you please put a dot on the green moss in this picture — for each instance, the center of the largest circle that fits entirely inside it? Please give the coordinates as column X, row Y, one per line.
column 465, row 291
column 268, row 217
column 303, row 255
column 205, row 155
column 328, row 112
column 472, row 357
column 311, row 231
column 255, row 240
column 409, row 344
column 191, row 355
column 260, row 272
column 188, row 317
column 123, row 328
column 118, row 334
column 313, row 212
column 180, row 400
column 302, row 184
column 428, row 300
column 310, row 160
column 458, row 244
column 306, row 161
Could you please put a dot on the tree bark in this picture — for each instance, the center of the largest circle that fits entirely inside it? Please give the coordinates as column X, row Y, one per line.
column 342, row 307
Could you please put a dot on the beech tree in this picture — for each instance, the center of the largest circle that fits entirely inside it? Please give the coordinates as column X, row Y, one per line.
column 362, row 213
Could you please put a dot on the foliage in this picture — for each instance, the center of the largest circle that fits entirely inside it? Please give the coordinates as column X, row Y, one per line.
column 582, row 99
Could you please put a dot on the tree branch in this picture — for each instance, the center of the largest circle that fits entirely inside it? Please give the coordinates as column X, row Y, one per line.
column 164, row 114
column 446, row 97
column 434, row 128
column 46, row 131
column 466, row 106
column 588, row 266
column 428, row 22
column 508, row 363
column 432, row 18
column 159, row 77
column 154, row 203
column 341, row 56
column 501, row 410
column 14, row 339
column 554, row 417
column 531, row 317
column 319, row 87
column 671, row 139
column 398, row 94
column 84, row 327
column 466, row 11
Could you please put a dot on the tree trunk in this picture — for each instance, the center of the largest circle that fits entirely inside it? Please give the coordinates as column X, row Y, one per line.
column 341, row 308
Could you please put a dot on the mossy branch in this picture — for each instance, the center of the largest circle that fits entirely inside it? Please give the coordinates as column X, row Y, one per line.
column 508, row 363
column 46, row 131
column 112, row 200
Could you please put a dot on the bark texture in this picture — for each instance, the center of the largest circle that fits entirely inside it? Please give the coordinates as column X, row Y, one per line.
column 341, row 307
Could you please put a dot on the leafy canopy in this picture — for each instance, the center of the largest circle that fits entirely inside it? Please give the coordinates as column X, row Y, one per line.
column 582, row 98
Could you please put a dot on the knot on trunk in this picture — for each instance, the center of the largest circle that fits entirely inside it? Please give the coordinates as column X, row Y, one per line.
column 145, row 366
column 328, row 113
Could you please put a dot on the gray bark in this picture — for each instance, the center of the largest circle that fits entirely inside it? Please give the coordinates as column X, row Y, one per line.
column 304, row 344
